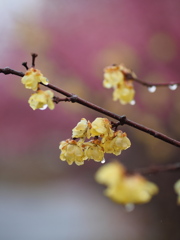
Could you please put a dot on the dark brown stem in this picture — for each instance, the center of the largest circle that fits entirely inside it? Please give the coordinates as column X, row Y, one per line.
column 122, row 119
column 25, row 65
column 157, row 169
column 34, row 56
column 148, row 84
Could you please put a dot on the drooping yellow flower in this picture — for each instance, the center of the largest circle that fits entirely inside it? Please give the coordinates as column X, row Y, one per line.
column 116, row 77
column 117, row 143
column 112, row 76
column 124, row 93
column 125, row 188
column 81, row 130
column 93, row 150
column 101, row 127
column 41, row 99
column 72, row 152
column 109, row 174
column 32, row 78
column 132, row 189
column 177, row 190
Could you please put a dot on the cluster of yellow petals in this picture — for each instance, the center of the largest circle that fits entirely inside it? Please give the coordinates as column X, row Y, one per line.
column 105, row 140
column 32, row 78
column 125, row 188
column 40, row 99
column 114, row 77
column 177, row 190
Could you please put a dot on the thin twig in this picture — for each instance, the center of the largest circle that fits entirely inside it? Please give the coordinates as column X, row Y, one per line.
column 160, row 168
column 148, row 84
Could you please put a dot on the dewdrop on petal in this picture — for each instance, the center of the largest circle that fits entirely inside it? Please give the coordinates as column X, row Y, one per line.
column 40, row 99
column 173, row 87
column 44, row 107
column 103, row 161
column 152, row 89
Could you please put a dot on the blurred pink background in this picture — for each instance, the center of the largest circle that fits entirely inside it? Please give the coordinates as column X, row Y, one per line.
column 42, row 197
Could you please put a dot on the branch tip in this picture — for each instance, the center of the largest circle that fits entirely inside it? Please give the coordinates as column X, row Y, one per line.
column 25, row 65
column 34, row 56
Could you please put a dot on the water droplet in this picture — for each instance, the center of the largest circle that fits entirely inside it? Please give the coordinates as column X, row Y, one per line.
column 133, row 102
column 152, row 89
column 129, row 207
column 173, row 86
column 103, row 161
column 44, row 107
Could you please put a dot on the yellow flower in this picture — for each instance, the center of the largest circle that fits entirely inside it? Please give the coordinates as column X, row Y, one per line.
column 41, row 99
column 116, row 76
column 81, row 130
column 32, row 78
column 124, row 93
column 123, row 187
column 72, row 152
column 93, row 150
column 112, row 76
column 110, row 173
column 177, row 190
column 101, row 127
column 117, row 143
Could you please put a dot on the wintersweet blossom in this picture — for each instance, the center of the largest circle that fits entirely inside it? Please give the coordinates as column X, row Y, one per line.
column 124, row 92
column 125, row 188
column 117, row 143
column 177, row 190
column 32, row 78
column 93, row 150
column 81, row 130
column 40, row 99
column 72, row 152
column 110, row 173
column 115, row 77
column 112, row 76
column 101, row 127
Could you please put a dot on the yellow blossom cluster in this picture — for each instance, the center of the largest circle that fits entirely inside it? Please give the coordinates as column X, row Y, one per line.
column 40, row 99
column 177, row 190
column 105, row 140
column 114, row 77
column 125, row 188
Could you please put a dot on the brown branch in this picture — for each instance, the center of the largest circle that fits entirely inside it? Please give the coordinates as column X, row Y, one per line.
column 158, row 169
column 121, row 119
column 149, row 84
